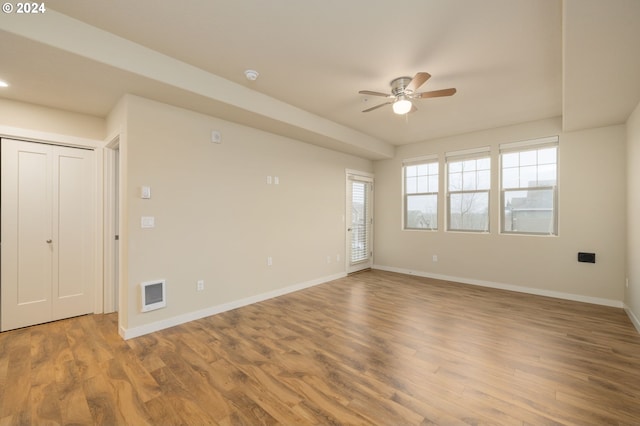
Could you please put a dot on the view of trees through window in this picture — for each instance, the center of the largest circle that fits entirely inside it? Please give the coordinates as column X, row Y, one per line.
column 469, row 182
column 421, row 196
column 528, row 189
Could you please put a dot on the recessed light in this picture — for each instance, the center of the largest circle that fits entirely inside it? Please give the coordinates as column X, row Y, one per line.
column 4, row 84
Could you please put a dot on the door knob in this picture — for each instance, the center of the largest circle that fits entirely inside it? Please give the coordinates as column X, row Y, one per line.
column 349, row 229
column 49, row 241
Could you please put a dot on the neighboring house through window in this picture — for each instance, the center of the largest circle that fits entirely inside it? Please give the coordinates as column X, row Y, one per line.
column 529, row 191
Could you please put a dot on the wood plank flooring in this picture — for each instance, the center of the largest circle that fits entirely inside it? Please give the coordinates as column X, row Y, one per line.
column 372, row 348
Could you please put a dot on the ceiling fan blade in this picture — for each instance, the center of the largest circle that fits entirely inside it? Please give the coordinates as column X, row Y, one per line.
column 369, row 92
column 413, row 108
column 377, row 106
column 417, row 81
column 436, row 93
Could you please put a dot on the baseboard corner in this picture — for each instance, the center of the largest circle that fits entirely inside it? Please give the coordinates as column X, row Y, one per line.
column 632, row 316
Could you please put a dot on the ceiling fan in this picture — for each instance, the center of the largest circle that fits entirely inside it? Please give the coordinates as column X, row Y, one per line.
column 403, row 91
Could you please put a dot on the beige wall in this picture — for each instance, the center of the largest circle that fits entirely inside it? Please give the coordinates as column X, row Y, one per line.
column 39, row 118
column 632, row 295
column 217, row 220
column 591, row 218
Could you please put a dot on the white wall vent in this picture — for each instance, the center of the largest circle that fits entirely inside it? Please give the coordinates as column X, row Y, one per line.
column 154, row 295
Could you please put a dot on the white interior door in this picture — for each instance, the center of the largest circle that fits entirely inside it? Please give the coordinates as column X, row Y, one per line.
column 73, row 237
column 26, row 232
column 116, row 237
column 111, row 229
column 48, row 233
column 360, row 222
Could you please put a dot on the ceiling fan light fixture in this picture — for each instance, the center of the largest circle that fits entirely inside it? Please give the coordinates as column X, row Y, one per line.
column 402, row 106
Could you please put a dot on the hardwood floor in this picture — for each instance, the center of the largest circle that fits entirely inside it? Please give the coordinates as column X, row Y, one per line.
column 372, row 348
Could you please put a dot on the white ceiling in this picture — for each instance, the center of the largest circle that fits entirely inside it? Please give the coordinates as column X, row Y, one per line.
column 511, row 61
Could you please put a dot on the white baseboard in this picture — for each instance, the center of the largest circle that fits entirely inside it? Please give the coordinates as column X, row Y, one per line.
column 129, row 333
column 634, row 319
column 510, row 287
column 192, row 316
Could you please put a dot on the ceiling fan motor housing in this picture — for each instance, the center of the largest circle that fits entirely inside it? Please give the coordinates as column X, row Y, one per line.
column 398, row 85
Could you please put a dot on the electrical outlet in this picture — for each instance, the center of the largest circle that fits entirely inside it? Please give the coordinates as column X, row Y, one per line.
column 435, row 258
column 200, row 285
column 269, row 261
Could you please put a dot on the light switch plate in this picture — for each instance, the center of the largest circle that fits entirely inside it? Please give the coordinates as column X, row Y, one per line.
column 148, row 222
column 145, row 192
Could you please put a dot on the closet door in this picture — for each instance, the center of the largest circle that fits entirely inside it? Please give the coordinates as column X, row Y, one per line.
column 26, row 230
column 73, row 217
column 48, row 236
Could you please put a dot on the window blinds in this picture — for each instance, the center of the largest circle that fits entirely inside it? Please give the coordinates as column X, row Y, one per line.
column 360, row 228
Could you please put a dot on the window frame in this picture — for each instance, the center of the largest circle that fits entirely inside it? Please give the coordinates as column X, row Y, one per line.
column 461, row 156
column 524, row 146
column 426, row 160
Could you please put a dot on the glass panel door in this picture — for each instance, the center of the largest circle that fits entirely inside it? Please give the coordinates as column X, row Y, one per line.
column 360, row 218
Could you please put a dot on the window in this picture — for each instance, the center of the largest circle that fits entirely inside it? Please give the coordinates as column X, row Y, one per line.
column 468, row 186
column 529, row 187
column 421, row 193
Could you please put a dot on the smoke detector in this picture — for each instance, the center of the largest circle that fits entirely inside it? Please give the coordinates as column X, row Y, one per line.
column 251, row 75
